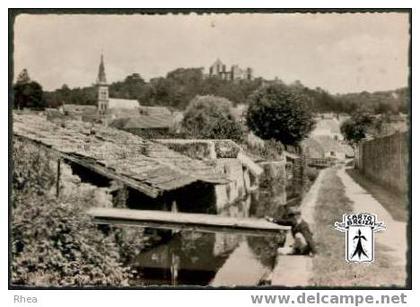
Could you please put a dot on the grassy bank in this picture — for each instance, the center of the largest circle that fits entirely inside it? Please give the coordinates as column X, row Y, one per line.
column 330, row 267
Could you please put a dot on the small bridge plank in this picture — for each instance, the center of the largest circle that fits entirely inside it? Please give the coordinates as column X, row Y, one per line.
column 185, row 221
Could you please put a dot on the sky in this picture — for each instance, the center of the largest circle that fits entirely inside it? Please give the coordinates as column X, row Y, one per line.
column 338, row 52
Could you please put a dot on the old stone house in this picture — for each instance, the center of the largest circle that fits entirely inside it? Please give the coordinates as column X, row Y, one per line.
column 229, row 159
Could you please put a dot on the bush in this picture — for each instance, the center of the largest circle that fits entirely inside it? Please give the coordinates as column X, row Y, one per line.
column 31, row 172
column 54, row 243
column 209, row 117
column 197, row 150
column 281, row 113
column 355, row 129
column 271, row 151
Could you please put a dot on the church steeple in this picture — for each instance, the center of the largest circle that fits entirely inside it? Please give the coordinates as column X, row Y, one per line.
column 101, row 74
column 103, row 91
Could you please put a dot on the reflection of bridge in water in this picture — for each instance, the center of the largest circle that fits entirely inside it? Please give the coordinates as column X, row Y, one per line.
column 234, row 247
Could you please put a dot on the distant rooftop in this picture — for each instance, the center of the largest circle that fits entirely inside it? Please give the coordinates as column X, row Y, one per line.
column 120, row 103
column 143, row 122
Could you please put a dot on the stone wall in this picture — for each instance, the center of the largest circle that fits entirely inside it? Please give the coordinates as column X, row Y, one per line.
column 274, row 180
column 385, row 160
column 237, row 187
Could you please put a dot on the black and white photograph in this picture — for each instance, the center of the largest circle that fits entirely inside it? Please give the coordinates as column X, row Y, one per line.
column 210, row 149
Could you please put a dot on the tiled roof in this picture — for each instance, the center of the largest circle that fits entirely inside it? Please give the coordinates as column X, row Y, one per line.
column 119, row 103
column 154, row 110
column 143, row 122
column 79, row 109
column 126, row 157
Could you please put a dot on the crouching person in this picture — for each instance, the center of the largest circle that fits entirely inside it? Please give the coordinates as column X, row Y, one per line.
column 303, row 243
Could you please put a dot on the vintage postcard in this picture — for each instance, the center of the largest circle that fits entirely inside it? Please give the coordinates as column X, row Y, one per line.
column 210, row 149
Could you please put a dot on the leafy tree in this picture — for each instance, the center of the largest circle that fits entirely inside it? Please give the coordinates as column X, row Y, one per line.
column 27, row 93
column 356, row 127
column 281, row 113
column 210, row 117
column 131, row 88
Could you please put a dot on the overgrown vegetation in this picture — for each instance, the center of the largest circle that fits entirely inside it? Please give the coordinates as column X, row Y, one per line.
column 271, row 151
column 356, row 128
column 209, row 117
column 54, row 242
column 362, row 124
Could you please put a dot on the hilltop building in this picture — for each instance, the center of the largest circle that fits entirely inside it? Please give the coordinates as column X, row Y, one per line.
column 219, row 70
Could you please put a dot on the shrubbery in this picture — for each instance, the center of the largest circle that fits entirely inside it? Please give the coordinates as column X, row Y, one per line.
column 54, row 242
column 209, row 117
column 271, row 151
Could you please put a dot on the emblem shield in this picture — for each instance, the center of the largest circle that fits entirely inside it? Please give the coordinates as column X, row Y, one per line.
column 359, row 230
column 359, row 244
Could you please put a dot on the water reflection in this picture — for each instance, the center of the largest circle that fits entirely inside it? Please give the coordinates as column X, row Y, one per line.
column 218, row 259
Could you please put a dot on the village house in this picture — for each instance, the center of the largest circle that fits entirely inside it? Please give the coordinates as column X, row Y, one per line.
column 229, row 159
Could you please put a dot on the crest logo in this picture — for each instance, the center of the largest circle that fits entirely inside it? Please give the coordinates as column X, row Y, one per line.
column 359, row 230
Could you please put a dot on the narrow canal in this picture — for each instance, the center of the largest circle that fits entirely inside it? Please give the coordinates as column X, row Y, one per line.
column 217, row 259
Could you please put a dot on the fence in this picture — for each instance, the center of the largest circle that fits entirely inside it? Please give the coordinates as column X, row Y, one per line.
column 385, row 160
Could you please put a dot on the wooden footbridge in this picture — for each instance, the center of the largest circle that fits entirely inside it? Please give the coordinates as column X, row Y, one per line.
column 185, row 221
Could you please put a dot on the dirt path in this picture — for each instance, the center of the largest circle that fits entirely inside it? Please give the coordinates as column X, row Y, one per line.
column 394, row 237
column 333, row 194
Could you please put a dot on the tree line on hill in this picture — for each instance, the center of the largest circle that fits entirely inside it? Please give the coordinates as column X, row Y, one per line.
column 181, row 85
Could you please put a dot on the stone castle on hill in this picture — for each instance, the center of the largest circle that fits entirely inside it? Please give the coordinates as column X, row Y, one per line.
column 219, row 70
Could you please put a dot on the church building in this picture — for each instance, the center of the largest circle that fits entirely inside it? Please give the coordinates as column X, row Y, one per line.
column 106, row 104
column 103, row 90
